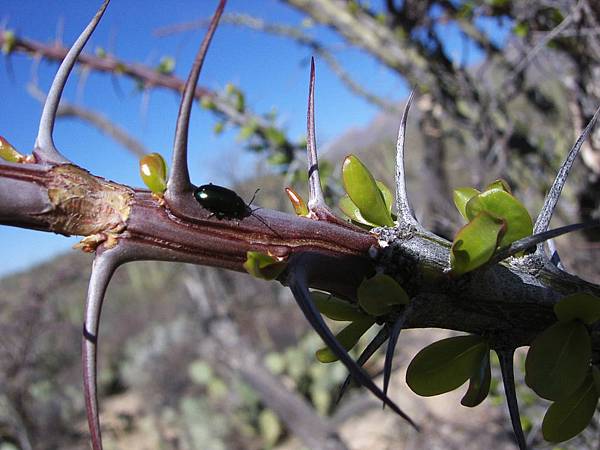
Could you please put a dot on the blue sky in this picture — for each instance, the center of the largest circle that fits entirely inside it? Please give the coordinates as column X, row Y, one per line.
column 273, row 72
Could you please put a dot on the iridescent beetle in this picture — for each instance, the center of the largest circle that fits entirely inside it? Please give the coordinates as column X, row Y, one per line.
column 222, row 202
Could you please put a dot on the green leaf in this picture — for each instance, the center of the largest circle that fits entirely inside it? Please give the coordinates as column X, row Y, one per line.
column 475, row 243
column 558, row 360
column 479, row 384
column 10, row 41
column 297, row 201
column 263, row 266
column 270, row 427
column 461, row 196
column 503, row 205
column 445, row 365
column 499, row 184
column 380, row 294
column 153, row 171
column 348, row 338
column 388, row 198
column 362, row 189
column 351, row 210
column 9, row 153
column 582, row 306
column 166, row 65
column 335, row 308
column 568, row 417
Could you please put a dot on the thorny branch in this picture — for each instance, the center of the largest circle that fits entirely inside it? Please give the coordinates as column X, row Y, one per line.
column 509, row 304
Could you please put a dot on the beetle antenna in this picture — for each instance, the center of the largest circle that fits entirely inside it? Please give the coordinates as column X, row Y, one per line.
column 45, row 151
column 253, row 197
column 179, row 179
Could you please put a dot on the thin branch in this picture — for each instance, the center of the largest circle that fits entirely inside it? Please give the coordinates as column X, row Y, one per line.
column 151, row 78
column 389, row 354
column 369, row 351
column 97, row 120
column 298, row 283
column 45, row 150
column 102, row 272
column 403, row 208
column 524, row 63
column 179, row 179
column 508, row 378
column 543, row 220
column 296, row 34
column 530, row 241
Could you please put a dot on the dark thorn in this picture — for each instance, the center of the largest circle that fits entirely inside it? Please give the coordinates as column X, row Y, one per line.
column 508, row 379
column 373, row 346
column 89, row 336
column 389, row 354
column 312, row 169
column 44, row 144
column 302, row 296
column 179, row 179
column 530, row 241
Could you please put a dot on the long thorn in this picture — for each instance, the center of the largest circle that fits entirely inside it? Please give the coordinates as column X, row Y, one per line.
column 508, row 378
column 102, row 272
column 371, row 348
column 543, row 221
column 389, row 354
column 179, row 179
column 299, row 287
column 45, row 151
column 530, row 241
column 317, row 207
column 404, row 210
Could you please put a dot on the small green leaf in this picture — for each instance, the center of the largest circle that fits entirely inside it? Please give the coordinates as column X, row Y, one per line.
column 362, row 189
column 207, row 102
column 445, row 365
column 475, row 243
column 379, row 295
column 166, row 66
column 582, row 306
column 558, row 360
column 10, row 41
column 348, row 338
column 218, row 128
column 499, row 184
column 503, row 205
column 263, row 266
column 568, row 417
column 298, row 202
column 479, row 384
column 153, row 171
column 9, row 153
column 270, row 427
column 335, row 308
column 351, row 210
column 388, row 198
column 461, row 196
